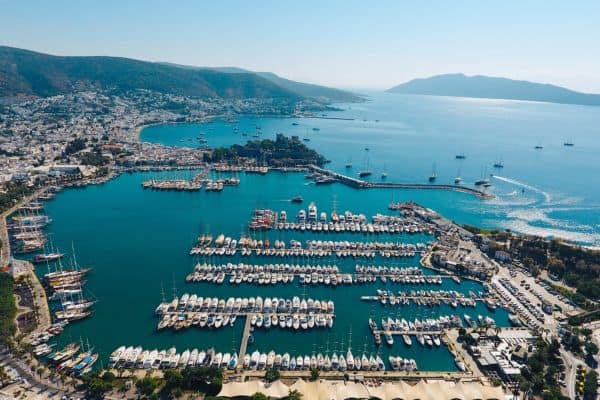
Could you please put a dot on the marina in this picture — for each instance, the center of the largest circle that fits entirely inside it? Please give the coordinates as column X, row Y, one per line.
column 392, row 240
column 328, row 275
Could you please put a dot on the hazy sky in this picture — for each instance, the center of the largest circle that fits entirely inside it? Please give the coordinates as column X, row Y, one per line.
column 354, row 44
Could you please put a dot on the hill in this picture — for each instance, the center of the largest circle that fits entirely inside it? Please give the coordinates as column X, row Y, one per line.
column 479, row 86
column 28, row 73
column 318, row 92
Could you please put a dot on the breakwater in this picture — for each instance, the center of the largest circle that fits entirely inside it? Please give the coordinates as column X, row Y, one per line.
column 361, row 184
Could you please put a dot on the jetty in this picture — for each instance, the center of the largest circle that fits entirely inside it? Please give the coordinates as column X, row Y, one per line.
column 361, row 184
column 245, row 337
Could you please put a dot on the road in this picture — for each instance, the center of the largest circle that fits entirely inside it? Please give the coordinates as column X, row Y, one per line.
column 41, row 384
column 571, row 363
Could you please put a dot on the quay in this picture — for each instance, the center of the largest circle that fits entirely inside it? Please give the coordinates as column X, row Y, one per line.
column 360, row 184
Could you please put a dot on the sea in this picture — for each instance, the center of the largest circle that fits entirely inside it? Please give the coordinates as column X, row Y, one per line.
column 137, row 241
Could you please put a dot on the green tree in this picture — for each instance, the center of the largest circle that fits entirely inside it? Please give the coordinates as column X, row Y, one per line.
column 590, row 385
column 314, row 374
column 272, row 375
column 294, row 395
column 147, row 385
column 259, row 396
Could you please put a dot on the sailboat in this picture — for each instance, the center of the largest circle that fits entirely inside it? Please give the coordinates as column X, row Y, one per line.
column 569, row 143
column 483, row 181
column 367, row 171
column 499, row 163
column 458, row 179
column 384, row 174
column 433, row 175
column 349, row 163
column 306, row 138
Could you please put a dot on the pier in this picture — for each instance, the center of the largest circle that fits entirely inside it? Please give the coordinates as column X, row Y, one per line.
column 245, row 336
column 401, row 332
column 360, row 184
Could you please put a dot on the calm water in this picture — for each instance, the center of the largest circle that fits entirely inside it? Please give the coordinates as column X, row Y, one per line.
column 138, row 240
column 549, row 192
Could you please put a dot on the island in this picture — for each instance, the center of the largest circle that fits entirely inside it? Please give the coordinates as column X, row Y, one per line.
column 479, row 86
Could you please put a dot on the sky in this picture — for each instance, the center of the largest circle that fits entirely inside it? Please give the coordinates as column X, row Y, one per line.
column 343, row 43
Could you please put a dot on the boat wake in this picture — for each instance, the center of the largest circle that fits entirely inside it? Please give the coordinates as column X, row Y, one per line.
column 547, row 197
column 586, row 238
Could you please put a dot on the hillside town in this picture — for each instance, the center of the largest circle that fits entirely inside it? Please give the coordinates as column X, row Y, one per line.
column 91, row 132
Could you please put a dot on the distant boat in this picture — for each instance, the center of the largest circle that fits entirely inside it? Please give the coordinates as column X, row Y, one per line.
column 433, row 175
column 306, row 138
column 297, row 199
column 483, row 181
column 384, row 174
column 457, row 180
column 569, row 144
column 316, row 129
column 499, row 164
column 460, row 156
column 295, row 123
column 349, row 163
column 366, row 171
column 539, row 147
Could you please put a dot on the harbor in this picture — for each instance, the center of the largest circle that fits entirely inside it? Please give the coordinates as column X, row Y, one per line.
column 380, row 273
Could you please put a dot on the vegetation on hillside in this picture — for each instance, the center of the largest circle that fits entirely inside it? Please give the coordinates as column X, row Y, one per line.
column 8, row 308
column 27, row 73
column 283, row 151
column 11, row 193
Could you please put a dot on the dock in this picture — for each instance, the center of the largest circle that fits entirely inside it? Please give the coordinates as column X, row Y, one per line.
column 400, row 333
column 361, row 184
column 244, row 341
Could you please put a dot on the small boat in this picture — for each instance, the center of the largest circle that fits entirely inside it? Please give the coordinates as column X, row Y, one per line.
column 569, row 144
column 297, row 199
column 460, row 156
column 433, row 175
column 42, row 258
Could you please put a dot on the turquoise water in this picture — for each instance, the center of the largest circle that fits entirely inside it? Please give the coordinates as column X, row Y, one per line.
column 549, row 192
column 138, row 240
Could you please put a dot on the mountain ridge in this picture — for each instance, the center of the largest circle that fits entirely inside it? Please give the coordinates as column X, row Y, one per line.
column 481, row 86
column 28, row 73
column 319, row 92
